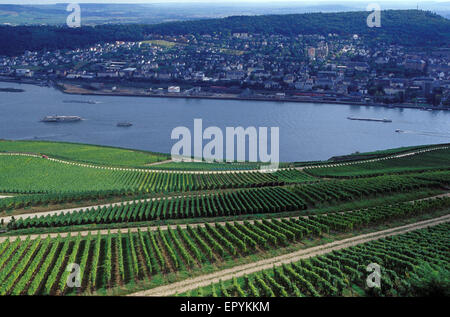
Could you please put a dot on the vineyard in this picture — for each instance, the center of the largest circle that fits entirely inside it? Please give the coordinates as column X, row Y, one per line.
column 39, row 266
column 232, row 203
column 205, row 166
column 117, row 157
column 30, row 175
column 148, row 226
column 403, row 259
column 361, row 188
column 433, row 160
column 443, row 177
column 84, row 153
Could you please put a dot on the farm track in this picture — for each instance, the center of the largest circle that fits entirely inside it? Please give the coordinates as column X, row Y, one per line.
column 23, row 216
column 74, row 163
column 159, row 163
column 164, row 227
column 7, row 219
column 241, row 270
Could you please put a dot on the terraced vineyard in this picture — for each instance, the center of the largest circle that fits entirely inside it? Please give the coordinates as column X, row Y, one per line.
column 404, row 260
column 84, row 152
column 37, row 175
column 241, row 202
column 433, row 160
column 39, row 266
column 104, row 155
column 443, row 177
column 204, row 166
column 117, row 261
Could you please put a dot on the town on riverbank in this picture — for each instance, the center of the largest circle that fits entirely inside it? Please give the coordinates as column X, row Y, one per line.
column 332, row 68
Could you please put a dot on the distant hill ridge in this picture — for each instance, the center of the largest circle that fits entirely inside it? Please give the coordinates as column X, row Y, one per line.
column 405, row 27
column 413, row 27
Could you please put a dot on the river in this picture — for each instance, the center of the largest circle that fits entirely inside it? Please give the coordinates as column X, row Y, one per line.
column 307, row 131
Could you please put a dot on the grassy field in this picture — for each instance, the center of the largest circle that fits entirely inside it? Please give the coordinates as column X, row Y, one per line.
column 111, row 156
column 162, row 43
column 392, row 151
column 37, row 175
column 204, row 166
column 23, row 174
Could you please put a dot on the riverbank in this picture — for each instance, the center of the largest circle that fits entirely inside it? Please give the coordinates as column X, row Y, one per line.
column 308, row 131
column 73, row 89
column 11, row 90
column 136, row 92
column 25, row 81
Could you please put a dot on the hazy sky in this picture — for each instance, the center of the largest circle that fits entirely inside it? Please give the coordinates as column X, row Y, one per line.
column 205, row 1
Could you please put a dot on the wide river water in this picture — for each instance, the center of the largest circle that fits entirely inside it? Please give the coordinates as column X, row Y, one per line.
column 307, row 131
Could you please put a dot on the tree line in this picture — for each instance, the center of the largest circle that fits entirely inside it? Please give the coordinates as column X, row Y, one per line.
column 405, row 27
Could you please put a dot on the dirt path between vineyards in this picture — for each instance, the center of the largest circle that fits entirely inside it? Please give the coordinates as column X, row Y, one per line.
column 205, row 280
column 46, row 213
column 165, row 227
column 71, row 210
column 159, row 163
column 135, row 229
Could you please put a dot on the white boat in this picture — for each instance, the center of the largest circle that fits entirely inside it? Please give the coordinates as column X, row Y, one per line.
column 61, row 119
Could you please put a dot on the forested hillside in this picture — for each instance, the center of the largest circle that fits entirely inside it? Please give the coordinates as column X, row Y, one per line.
column 405, row 27
column 410, row 27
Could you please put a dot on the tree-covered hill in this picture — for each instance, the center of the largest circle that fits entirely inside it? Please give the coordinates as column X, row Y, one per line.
column 406, row 27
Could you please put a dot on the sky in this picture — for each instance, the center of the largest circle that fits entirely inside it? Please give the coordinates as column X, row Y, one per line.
column 204, row 1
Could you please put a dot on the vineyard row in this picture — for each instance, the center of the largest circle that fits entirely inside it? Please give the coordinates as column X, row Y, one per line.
column 39, row 266
column 252, row 201
column 402, row 259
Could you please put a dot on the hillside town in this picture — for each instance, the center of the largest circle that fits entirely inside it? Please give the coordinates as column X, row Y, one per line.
column 318, row 68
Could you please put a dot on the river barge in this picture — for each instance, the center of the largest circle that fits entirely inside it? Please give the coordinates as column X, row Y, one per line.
column 369, row 119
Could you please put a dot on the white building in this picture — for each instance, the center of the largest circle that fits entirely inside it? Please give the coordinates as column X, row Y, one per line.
column 173, row 89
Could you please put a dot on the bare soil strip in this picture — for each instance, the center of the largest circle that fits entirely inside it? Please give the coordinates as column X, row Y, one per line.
column 71, row 210
column 8, row 219
column 205, row 280
column 159, row 163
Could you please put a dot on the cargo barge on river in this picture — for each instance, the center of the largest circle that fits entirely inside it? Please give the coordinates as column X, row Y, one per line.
column 369, row 119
